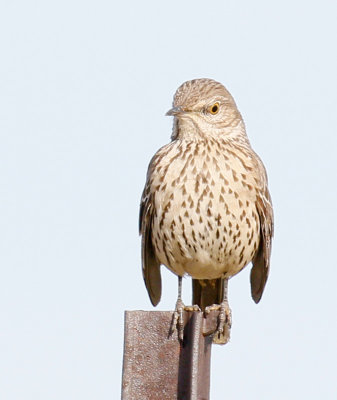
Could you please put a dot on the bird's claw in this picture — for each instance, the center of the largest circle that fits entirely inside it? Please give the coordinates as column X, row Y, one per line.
column 178, row 318
column 224, row 318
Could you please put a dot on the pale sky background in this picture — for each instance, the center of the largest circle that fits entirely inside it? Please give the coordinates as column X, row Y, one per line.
column 84, row 86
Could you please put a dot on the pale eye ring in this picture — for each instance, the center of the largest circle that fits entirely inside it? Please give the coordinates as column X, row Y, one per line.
column 214, row 109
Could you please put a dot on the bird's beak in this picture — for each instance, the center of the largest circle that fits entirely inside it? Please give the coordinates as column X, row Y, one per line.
column 175, row 111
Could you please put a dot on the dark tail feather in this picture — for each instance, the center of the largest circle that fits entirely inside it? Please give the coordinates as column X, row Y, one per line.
column 207, row 292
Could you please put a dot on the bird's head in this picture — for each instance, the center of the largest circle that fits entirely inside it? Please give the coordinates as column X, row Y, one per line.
column 202, row 108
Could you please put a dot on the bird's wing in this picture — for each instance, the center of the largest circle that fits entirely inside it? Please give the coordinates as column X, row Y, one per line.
column 261, row 260
column 150, row 264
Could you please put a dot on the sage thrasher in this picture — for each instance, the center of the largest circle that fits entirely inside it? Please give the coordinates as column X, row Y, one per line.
column 206, row 210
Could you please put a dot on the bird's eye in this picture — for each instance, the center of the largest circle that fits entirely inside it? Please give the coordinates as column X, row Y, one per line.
column 214, row 109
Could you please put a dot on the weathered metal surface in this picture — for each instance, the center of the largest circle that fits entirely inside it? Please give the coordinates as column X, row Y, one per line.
column 157, row 366
column 150, row 366
column 195, row 359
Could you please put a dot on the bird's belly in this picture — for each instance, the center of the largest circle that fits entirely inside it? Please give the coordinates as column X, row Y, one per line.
column 205, row 227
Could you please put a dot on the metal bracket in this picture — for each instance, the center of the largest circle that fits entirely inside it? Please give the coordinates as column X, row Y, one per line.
column 157, row 366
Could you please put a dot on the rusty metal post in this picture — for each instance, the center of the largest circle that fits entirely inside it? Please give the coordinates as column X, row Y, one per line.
column 157, row 366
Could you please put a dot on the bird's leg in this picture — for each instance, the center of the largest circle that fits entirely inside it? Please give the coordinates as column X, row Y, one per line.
column 178, row 315
column 225, row 315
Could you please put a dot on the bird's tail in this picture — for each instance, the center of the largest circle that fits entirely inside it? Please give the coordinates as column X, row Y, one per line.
column 207, row 292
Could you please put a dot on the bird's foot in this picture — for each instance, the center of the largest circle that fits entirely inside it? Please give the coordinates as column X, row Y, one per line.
column 178, row 318
column 224, row 321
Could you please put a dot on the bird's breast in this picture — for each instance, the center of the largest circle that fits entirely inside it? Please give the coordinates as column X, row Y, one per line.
column 205, row 221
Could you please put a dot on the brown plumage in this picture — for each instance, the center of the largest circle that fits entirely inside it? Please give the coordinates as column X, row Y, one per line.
column 205, row 209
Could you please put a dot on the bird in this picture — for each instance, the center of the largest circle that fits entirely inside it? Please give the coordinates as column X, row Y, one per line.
column 206, row 211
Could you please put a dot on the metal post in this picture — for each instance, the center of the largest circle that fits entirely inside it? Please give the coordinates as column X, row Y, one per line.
column 157, row 366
